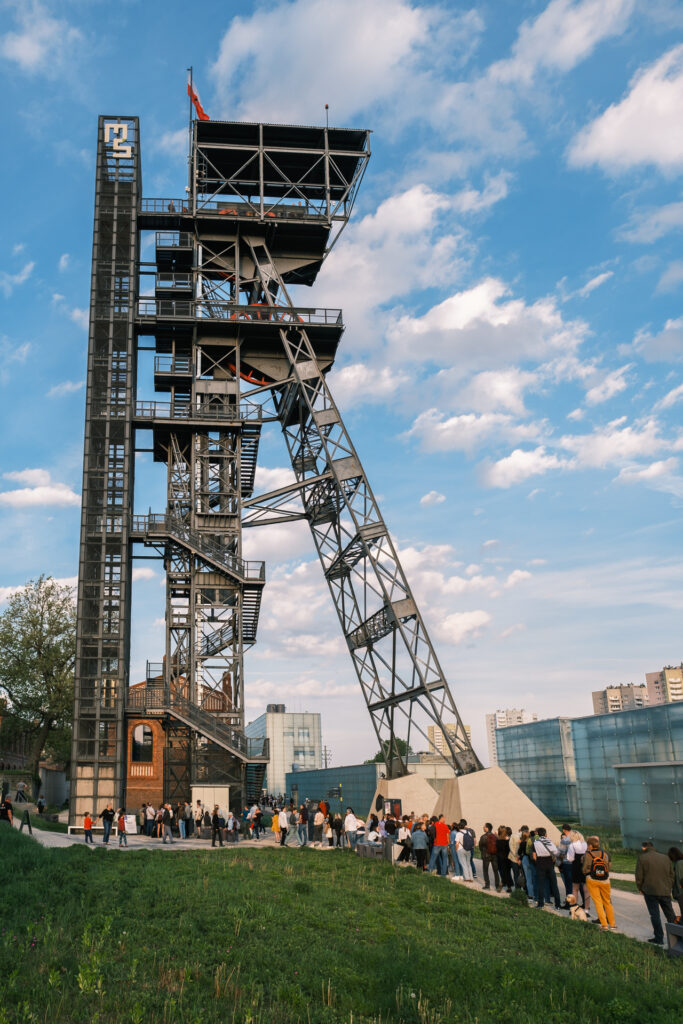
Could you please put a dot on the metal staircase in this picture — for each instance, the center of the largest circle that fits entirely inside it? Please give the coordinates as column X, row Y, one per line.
column 154, row 528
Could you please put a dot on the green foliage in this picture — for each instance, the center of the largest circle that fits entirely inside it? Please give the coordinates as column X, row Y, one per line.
column 37, row 651
column 380, row 757
column 295, row 937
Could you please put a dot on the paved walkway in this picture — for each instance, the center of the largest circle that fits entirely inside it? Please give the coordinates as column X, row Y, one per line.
column 629, row 908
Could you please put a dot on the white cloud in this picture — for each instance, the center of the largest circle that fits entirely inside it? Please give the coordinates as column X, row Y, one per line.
column 470, row 200
column 8, row 282
column 41, row 491
column 173, row 144
column 42, row 44
column 497, row 389
column 515, row 577
column 519, row 466
column 613, row 443
column 461, row 626
column 643, row 474
column 143, row 573
column 666, row 346
column 63, row 263
column 518, row 627
column 575, row 414
column 612, row 384
column 361, row 382
column 267, row 479
column 67, row 387
column 279, row 543
column 468, row 431
column 30, row 477
column 644, row 128
column 563, row 35
column 372, row 52
column 594, row 283
column 671, row 398
column 80, row 317
column 491, row 543
column 649, row 226
column 476, row 327
column 432, row 498
column 11, row 354
column 672, row 278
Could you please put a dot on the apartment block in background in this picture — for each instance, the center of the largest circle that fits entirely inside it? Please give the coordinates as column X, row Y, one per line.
column 437, row 744
column 620, row 698
column 501, row 720
column 295, row 743
column 665, row 686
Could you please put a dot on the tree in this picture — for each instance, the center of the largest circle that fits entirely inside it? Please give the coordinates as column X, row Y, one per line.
column 403, row 748
column 37, row 654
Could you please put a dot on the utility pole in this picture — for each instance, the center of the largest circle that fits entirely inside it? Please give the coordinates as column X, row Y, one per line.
column 327, row 757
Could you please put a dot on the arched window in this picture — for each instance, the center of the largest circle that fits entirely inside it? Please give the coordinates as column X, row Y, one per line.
column 143, row 743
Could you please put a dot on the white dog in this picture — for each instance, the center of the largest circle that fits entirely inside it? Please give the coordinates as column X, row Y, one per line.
column 576, row 913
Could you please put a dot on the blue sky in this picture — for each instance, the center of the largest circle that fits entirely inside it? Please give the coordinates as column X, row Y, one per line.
column 512, row 367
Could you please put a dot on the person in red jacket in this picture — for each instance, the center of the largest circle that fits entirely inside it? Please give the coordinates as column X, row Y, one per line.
column 439, row 859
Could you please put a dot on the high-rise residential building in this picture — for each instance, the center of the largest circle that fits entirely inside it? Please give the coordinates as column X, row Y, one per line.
column 665, row 686
column 437, row 744
column 295, row 743
column 620, row 698
column 501, row 720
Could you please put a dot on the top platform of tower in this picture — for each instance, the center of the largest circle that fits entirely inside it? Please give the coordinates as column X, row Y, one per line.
column 302, row 178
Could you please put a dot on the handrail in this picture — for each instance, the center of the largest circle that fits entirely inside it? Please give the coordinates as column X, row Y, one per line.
column 169, row 525
column 185, row 410
column 173, row 364
column 164, row 699
column 238, row 208
column 204, row 309
column 174, row 240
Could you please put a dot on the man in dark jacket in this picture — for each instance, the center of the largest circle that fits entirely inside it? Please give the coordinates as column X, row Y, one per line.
column 655, row 880
column 489, row 856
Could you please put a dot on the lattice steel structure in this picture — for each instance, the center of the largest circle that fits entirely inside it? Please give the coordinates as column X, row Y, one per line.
column 233, row 350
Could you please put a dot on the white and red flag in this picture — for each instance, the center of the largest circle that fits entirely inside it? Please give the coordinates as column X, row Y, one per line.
column 196, row 102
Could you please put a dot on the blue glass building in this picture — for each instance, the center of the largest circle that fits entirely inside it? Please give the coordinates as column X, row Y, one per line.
column 621, row 770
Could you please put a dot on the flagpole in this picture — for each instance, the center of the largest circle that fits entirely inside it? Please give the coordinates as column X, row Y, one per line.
column 189, row 139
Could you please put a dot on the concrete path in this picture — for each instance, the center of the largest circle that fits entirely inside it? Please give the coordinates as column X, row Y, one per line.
column 629, row 908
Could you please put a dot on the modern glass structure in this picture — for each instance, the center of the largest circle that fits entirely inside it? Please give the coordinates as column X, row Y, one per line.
column 621, row 769
column 538, row 756
column 650, row 799
column 352, row 785
column 294, row 741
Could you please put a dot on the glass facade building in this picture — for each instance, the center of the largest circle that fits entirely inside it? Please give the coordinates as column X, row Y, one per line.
column 650, row 798
column 538, row 756
column 356, row 784
column 622, row 770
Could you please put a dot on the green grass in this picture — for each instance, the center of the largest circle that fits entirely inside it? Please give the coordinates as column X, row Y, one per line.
column 275, row 936
column 617, row 883
column 48, row 826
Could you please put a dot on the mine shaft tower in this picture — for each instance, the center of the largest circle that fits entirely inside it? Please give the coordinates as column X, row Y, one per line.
column 232, row 351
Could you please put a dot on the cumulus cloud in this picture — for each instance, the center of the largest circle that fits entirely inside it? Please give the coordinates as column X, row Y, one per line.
column 481, row 327
column 271, row 479
column 614, row 442
column 643, row 128
column 497, row 389
column 472, row 200
column 515, row 577
column 143, row 573
column 641, row 474
column 40, row 490
column 519, row 466
column 432, row 498
column 458, row 627
column 437, row 432
column 362, row 382
column 173, row 144
column 63, row 263
column 80, row 317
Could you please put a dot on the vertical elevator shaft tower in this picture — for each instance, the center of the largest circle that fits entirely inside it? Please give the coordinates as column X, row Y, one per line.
column 233, row 351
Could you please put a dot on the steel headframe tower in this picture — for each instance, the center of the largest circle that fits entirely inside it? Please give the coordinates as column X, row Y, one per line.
column 264, row 206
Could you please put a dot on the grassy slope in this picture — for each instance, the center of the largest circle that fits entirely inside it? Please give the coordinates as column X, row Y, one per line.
column 277, row 937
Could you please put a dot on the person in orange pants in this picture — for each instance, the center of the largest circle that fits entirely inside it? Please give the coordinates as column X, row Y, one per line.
column 596, row 868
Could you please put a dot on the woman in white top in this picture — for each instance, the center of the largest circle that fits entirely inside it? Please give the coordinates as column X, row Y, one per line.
column 575, row 852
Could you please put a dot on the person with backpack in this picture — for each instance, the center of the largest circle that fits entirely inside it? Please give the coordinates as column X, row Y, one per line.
column 469, row 839
column 544, row 854
column 488, row 846
column 596, row 865
column 462, row 837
